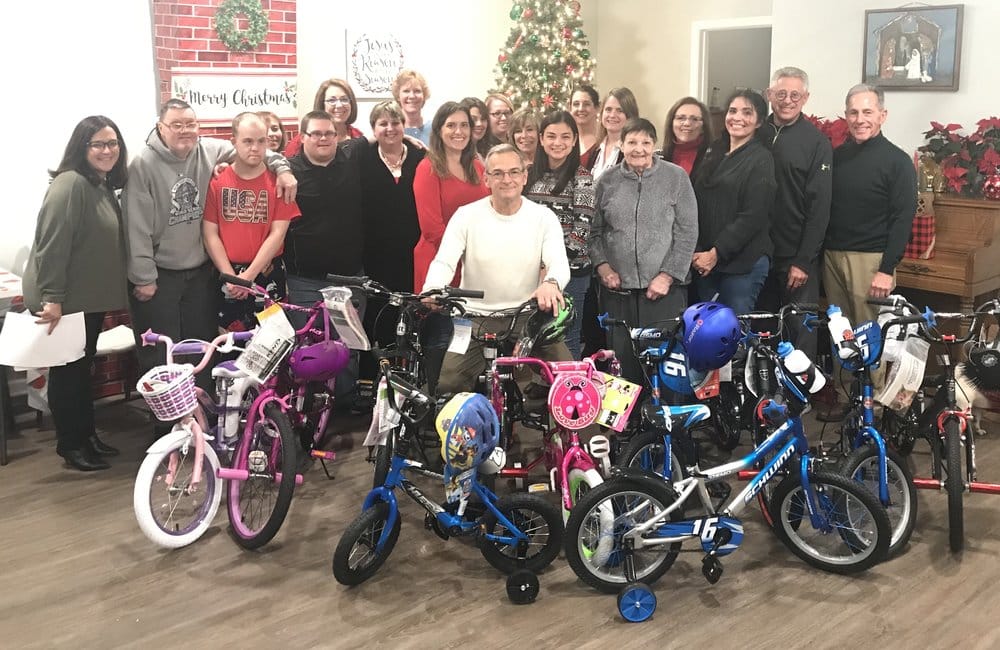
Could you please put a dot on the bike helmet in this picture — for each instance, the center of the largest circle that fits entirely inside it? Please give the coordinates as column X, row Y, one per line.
column 711, row 335
column 543, row 328
column 320, row 361
column 469, row 431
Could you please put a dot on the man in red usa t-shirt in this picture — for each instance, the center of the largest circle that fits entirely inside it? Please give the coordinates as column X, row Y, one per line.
column 244, row 224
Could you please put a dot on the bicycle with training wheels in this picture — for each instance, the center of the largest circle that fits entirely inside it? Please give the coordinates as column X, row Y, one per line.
column 518, row 534
column 947, row 423
column 825, row 519
column 178, row 486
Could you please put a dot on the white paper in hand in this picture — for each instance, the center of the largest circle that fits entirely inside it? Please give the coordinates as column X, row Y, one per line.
column 26, row 344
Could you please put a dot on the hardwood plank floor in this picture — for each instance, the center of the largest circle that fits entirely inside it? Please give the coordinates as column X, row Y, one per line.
column 78, row 573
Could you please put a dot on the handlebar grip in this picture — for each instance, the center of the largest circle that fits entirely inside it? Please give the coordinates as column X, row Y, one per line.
column 408, row 390
column 884, row 302
column 232, row 279
column 606, row 321
column 244, row 336
column 806, row 306
column 603, row 355
column 919, row 319
column 351, row 280
column 456, row 292
column 149, row 337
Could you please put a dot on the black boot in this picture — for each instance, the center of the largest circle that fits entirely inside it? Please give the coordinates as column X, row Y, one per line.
column 99, row 447
column 82, row 460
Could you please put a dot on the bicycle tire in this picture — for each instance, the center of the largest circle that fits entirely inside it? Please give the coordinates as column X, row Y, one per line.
column 175, row 520
column 861, row 465
column 362, row 535
column 605, row 571
column 383, row 459
column 954, row 485
column 645, row 451
column 257, row 508
column 536, row 517
column 859, row 534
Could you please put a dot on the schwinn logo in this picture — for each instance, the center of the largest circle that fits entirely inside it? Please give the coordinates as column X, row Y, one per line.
column 769, row 474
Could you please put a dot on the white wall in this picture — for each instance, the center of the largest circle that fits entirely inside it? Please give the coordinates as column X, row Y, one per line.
column 739, row 58
column 827, row 44
column 453, row 43
column 69, row 61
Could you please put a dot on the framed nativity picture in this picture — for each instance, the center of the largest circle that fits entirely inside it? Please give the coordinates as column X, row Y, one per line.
column 913, row 48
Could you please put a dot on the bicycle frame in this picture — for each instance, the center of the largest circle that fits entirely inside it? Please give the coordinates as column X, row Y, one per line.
column 789, row 440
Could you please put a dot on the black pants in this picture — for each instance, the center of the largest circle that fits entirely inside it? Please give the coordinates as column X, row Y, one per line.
column 632, row 306
column 775, row 294
column 71, row 399
column 183, row 307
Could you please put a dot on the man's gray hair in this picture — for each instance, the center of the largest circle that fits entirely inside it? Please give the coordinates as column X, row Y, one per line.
column 866, row 88
column 498, row 149
column 791, row 71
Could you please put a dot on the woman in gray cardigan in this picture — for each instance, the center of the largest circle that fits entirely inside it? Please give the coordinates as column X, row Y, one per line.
column 77, row 264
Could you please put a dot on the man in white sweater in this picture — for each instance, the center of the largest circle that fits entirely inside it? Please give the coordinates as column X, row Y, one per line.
column 501, row 241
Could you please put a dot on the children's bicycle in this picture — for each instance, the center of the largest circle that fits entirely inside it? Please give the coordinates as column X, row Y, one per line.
column 827, row 520
column 518, row 534
column 178, row 489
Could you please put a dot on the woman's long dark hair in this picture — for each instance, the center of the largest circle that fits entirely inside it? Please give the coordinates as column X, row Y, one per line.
column 717, row 152
column 75, row 156
column 435, row 150
column 567, row 171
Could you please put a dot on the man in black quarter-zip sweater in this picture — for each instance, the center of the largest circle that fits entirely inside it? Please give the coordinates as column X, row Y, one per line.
column 874, row 201
column 803, row 159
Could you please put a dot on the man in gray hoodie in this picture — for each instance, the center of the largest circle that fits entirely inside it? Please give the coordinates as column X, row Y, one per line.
column 170, row 276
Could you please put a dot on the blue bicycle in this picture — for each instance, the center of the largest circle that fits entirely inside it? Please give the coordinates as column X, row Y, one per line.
column 827, row 520
column 518, row 534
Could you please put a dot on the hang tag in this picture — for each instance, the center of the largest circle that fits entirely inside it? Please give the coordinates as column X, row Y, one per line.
column 462, row 337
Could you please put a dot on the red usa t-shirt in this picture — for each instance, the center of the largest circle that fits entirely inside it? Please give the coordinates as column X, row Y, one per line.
column 244, row 210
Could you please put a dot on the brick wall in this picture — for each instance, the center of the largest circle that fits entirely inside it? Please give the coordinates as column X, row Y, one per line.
column 115, row 374
column 185, row 36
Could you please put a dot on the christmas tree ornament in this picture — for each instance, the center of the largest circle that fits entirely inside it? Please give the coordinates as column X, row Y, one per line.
column 516, row 11
column 528, row 14
column 991, row 187
column 556, row 54
column 533, row 39
column 548, row 101
column 584, row 54
column 567, row 33
column 502, row 58
column 570, row 69
column 577, row 33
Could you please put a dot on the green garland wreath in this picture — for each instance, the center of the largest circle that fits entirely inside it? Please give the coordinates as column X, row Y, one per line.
column 237, row 40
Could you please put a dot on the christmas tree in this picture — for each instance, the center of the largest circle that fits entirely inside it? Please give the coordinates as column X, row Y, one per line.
column 546, row 54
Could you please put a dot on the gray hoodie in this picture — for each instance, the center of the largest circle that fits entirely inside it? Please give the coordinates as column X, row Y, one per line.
column 645, row 225
column 163, row 203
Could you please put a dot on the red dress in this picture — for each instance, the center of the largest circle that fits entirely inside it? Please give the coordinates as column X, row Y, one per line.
column 437, row 199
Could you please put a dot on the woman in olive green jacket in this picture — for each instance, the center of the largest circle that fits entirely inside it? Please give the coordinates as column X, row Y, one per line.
column 77, row 264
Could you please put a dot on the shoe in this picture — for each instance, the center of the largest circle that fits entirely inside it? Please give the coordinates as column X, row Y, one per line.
column 80, row 459
column 833, row 414
column 100, row 448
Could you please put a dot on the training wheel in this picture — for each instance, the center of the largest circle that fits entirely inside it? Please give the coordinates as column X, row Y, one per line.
column 636, row 602
column 522, row 587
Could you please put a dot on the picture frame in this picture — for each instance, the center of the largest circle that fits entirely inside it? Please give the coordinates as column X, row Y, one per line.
column 913, row 48
column 373, row 61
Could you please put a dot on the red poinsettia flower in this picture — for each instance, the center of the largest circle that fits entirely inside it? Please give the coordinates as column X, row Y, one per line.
column 937, row 126
column 990, row 162
column 956, row 177
column 988, row 123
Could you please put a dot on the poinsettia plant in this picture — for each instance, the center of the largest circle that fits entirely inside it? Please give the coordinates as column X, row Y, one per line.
column 966, row 160
column 835, row 130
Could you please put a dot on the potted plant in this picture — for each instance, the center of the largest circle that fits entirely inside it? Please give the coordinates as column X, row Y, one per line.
column 969, row 164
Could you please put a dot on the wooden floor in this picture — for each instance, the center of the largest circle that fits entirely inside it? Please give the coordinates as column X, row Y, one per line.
column 76, row 572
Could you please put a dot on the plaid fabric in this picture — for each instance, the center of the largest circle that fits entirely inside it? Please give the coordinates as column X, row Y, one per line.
column 922, row 236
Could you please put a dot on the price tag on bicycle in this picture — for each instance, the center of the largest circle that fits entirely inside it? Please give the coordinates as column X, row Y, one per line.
column 462, row 337
column 272, row 342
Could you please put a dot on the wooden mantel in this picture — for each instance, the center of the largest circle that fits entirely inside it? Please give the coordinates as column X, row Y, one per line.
column 966, row 262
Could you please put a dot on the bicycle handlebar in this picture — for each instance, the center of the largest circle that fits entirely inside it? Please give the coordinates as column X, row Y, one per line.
column 240, row 282
column 223, row 342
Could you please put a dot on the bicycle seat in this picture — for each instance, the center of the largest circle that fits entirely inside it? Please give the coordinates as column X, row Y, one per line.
column 228, row 370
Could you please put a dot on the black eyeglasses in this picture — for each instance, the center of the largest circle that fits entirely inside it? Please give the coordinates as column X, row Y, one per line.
column 319, row 135
column 101, row 145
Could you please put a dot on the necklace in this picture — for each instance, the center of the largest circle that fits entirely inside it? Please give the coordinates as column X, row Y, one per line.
column 394, row 167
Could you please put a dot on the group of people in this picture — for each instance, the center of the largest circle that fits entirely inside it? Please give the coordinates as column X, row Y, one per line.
column 579, row 203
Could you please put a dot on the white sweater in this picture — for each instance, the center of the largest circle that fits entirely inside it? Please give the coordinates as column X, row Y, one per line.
column 501, row 255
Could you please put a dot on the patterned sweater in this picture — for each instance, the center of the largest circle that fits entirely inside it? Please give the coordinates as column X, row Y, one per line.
column 574, row 207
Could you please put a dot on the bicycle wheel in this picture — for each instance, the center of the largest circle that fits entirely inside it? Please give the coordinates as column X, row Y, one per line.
column 855, row 533
column 861, row 465
column 267, row 450
column 383, row 458
column 533, row 516
column 356, row 557
column 601, row 565
column 170, row 512
column 645, row 451
column 954, row 484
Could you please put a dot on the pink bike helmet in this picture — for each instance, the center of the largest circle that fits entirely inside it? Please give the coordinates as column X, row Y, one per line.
column 320, row 361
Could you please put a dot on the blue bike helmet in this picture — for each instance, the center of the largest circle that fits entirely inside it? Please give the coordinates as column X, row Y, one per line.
column 711, row 335
column 469, row 431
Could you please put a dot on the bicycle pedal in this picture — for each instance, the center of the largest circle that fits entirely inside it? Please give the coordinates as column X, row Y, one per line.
column 711, row 568
column 323, row 455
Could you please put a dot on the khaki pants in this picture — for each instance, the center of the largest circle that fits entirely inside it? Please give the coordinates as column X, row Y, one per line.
column 847, row 277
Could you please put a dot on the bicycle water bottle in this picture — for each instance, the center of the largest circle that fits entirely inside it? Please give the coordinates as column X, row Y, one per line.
column 841, row 332
column 794, row 359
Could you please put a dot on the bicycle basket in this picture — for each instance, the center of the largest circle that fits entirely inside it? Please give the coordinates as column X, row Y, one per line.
column 169, row 390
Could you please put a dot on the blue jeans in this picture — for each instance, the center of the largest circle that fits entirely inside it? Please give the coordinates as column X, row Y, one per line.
column 738, row 291
column 304, row 292
column 577, row 290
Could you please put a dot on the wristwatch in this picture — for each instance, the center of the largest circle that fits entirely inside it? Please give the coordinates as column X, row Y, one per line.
column 553, row 281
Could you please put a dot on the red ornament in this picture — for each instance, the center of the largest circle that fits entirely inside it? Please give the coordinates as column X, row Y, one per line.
column 528, row 14
column 548, row 101
column 570, row 69
column 502, row 58
column 991, row 187
column 576, row 7
column 567, row 33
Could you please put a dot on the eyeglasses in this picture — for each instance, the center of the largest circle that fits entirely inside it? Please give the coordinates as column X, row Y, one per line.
column 687, row 118
column 333, row 101
column 101, row 145
column 177, row 127
column 498, row 174
column 782, row 95
column 319, row 135
column 500, row 114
